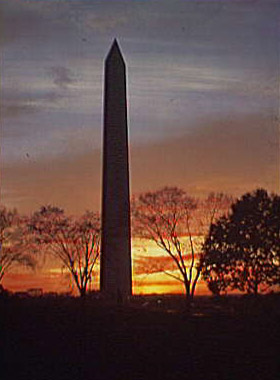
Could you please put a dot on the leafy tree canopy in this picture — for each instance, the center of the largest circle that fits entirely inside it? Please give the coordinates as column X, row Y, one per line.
column 242, row 250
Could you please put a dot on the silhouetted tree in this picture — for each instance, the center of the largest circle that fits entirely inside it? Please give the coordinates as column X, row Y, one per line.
column 242, row 250
column 164, row 216
column 177, row 223
column 210, row 209
column 15, row 245
column 74, row 241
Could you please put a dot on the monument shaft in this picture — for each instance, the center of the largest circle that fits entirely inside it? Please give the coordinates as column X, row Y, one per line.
column 115, row 274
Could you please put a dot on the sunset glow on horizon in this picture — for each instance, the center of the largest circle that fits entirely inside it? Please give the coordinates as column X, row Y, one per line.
column 146, row 279
column 59, row 283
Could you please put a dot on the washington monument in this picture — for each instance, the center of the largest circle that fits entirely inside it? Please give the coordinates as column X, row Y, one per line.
column 115, row 276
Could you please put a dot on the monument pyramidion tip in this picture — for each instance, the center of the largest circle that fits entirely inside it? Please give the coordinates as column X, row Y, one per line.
column 115, row 51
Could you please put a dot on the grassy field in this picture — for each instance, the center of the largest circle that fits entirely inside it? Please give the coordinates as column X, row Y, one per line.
column 151, row 338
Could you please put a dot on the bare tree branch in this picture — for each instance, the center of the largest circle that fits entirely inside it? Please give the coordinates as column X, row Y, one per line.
column 74, row 241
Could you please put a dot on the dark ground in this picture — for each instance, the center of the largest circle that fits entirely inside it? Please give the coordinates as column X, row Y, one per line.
column 68, row 338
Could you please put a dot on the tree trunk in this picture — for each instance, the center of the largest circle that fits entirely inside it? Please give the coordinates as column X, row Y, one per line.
column 82, row 292
column 256, row 288
column 188, row 298
column 198, row 271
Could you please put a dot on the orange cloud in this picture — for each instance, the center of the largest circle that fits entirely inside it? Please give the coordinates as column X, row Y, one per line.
column 233, row 156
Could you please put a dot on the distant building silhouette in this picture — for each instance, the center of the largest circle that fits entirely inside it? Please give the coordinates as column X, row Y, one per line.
column 115, row 277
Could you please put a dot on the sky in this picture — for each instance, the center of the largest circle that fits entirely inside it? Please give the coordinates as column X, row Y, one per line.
column 203, row 97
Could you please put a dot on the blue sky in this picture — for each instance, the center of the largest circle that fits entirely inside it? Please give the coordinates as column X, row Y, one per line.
column 203, row 90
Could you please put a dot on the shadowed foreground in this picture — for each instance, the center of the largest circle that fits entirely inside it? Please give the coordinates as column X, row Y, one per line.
column 65, row 338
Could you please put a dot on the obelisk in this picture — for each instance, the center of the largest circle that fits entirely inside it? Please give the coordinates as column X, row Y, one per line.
column 115, row 276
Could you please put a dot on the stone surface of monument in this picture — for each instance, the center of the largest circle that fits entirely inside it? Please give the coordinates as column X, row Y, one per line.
column 115, row 276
